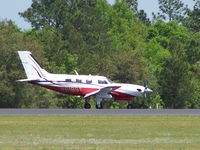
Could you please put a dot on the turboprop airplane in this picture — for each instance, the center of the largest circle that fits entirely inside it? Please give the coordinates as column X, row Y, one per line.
column 80, row 85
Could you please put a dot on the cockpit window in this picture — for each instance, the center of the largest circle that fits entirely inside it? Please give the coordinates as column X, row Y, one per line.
column 110, row 81
column 102, row 82
column 88, row 81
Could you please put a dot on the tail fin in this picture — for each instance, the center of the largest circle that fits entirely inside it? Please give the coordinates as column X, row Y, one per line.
column 31, row 66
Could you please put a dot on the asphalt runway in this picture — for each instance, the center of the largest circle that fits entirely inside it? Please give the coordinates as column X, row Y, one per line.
column 119, row 112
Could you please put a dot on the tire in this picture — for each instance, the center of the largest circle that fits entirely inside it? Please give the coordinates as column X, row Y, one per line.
column 87, row 106
column 130, row 106
column 99, row 107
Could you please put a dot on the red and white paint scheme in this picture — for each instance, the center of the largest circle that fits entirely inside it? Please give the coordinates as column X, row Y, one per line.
column 80, row 85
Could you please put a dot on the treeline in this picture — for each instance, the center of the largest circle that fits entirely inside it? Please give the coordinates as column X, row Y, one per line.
column 118, row 41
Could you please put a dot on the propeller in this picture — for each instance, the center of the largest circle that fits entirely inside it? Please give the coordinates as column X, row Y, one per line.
column 146, row 89
column 146, row 84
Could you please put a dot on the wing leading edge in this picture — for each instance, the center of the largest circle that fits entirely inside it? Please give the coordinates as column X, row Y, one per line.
column 104, row 90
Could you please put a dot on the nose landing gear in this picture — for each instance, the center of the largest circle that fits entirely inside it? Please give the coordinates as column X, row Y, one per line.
column 99, row 106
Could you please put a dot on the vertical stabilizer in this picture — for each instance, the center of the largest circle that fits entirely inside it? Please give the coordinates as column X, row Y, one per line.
column 31, row 66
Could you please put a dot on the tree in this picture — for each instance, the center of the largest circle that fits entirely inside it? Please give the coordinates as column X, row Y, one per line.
column 14, row 94
column 174, row 76
column 79, row 22
column 132, row 5
column 117, row 41
column 123, row 29
column 171, row 10
column 142, row 16
column 130, row 66
column 73, row 28
column 69, row 31
column 192, row 21
column 193, row 48
column 171, row 51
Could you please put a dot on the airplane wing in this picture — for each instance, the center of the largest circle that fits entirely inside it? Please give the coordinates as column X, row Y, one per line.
column 104, row 90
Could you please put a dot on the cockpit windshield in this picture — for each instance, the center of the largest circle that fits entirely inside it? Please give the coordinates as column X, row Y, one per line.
column 110, row 81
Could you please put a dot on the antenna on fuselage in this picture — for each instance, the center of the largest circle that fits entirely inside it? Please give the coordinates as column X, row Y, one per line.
column 76, row 72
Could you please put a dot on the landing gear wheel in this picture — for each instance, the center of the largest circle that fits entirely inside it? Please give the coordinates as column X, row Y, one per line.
column 87, row 106
column 130, row 106
column 99, row 106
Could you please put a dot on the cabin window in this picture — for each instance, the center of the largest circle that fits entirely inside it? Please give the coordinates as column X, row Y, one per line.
column 102, row 82
column 68, row 80
column 78, row 80
column 88, row 81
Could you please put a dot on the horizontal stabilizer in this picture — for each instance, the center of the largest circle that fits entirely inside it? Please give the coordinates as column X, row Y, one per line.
column 29, row 80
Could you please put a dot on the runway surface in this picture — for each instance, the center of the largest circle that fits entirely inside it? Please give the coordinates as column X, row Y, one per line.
column 122, row 112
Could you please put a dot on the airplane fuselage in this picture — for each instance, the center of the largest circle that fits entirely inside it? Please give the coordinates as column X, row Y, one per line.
column 81, row 85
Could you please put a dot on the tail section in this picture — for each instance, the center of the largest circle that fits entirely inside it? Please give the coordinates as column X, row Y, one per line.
column 31, row 66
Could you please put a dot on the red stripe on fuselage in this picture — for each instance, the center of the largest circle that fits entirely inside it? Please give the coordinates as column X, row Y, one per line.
column 122, row 96
column 83, row 91
column 69, row 90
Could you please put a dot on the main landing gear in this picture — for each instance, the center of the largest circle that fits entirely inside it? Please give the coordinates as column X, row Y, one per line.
column 99, row 104
column 87, row 103
column 130, row 105
column 87, row 106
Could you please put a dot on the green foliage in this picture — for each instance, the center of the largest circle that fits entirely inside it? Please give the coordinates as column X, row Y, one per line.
column 124, row 31
column 130, row 66
column 174, row 76
column 14, row 94
column 64, row 101
column 192, row 21
column 132, row 4
column 193, row 48
column 142, row 16
column 117, row 41
column 169, row 51
column 195, row 98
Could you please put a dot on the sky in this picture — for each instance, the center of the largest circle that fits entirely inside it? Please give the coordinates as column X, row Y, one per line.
column 9, row 9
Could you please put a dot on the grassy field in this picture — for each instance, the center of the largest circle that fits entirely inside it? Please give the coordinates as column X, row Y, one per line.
column 100, row 132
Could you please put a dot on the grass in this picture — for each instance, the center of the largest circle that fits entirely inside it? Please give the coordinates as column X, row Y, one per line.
column 100, row 132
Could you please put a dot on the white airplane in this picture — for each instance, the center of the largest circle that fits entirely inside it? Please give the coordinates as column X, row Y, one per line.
column 80, row 85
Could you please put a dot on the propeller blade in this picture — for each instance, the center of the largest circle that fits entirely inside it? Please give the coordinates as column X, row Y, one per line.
column 146, row 90
column 145, row 84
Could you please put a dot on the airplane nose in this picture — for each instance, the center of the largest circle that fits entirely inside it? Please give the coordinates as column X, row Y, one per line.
column 148, row 90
